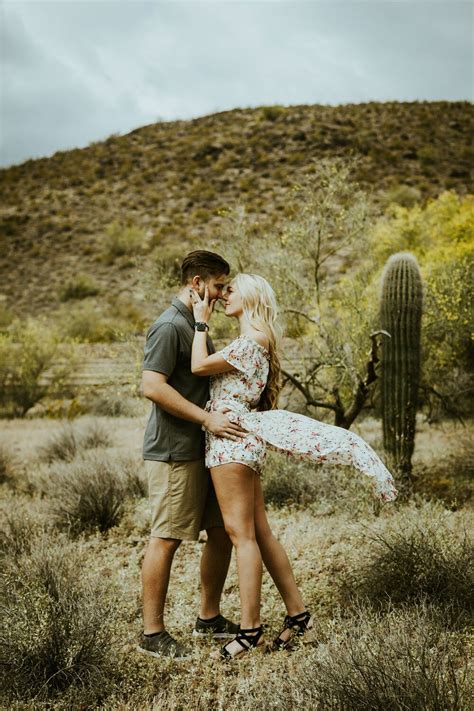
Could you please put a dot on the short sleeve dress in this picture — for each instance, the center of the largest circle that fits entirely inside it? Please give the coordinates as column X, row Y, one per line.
column 296, row 435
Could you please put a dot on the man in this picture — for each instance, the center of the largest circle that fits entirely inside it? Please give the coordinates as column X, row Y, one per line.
column 182, row 497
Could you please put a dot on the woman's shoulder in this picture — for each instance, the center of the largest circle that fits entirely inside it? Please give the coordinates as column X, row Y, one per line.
column 257, row 337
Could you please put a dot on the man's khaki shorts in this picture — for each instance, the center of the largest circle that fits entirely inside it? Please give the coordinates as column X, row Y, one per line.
column 183, row 500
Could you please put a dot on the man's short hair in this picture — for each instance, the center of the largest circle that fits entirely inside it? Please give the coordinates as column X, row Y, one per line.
column 204, row 264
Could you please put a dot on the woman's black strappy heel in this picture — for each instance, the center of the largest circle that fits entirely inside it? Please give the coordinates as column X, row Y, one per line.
column 248, row 639
column 298, row 624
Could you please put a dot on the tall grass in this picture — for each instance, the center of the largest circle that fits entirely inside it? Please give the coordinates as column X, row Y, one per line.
column 90, row 494
column 402, row 660
column 417, row 558
column 68, row 442
column 59, row 621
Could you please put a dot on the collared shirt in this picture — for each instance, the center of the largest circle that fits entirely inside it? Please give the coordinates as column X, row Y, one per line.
column 168, row 351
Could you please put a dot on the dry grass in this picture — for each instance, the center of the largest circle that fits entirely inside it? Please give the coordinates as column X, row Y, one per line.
column 70, row 440
column 60, row 623
column 419, row 557
column 400, row 656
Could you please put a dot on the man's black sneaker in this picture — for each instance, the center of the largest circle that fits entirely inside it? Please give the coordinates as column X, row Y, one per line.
column 163, row 645
column 217, row 628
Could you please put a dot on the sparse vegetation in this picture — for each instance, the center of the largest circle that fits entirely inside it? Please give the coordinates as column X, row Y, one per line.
column 420, row 558
column 402, row 660
column 329, row 530
column 27, row 351
column 80, row 287
column 68, row 442
column 121, row 240
column 89, row 494
column 60, row 624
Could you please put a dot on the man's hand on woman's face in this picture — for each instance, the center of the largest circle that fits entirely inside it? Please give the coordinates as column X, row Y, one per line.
column 202, row 308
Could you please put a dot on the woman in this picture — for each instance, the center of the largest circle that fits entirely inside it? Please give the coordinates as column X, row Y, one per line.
column 245, row 376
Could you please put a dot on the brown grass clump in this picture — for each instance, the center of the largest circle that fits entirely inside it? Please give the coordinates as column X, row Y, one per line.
column 419, row 558
column 79, row 287
column 90, row 493
column 289, row 482
column 68, row 442
column 59, row 631
column 449, row 478
column 402, row 660
column 7, row 466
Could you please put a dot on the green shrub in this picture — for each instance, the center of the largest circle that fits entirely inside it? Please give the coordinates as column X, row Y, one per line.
column 120, row 240
column 89, row 323
column 6, row 316
column 80, row 287
column 60, row 624
column 272, row 113
column 27, row 352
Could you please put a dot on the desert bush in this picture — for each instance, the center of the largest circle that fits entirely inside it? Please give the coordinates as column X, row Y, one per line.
column 20, row 531
column 69, row 441
column 60, row 624
column 289, row 482
column 418, row 558
column 62, row 446
column 272, row 113
column 6, row 316
column 112, row 404
column 90, row 493
column 7, row 466
column 120, row 240
column 80, row 287
column 94, row 434
column 27, row 351
column 89, row 323
column 402, row 660
column 448, row 478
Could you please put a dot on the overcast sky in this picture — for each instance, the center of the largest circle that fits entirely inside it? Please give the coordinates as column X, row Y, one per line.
column 73, row 72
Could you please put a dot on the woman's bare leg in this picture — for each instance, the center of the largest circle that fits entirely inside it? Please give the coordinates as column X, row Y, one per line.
column 234, row 485
column 275, row 559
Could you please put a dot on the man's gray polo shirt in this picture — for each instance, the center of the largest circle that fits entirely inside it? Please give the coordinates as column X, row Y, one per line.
column 168, row 350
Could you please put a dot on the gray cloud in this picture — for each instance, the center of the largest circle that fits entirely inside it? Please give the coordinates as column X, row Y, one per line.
column 75, row 72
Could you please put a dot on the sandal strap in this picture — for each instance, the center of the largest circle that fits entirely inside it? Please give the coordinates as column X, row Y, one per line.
column 245, row 640
column 299, row 621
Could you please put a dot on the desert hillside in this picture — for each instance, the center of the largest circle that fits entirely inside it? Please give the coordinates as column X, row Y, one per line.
column 169, row 183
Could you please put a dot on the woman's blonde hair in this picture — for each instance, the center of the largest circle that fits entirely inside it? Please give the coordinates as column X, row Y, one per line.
column 260, row 308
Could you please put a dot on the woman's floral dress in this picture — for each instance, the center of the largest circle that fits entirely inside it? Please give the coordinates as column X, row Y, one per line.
column 295, row 434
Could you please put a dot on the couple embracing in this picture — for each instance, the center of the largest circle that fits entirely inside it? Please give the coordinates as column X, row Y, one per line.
column 213, row 419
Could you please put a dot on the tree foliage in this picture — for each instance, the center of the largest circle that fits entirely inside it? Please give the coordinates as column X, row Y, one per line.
column 325, row 266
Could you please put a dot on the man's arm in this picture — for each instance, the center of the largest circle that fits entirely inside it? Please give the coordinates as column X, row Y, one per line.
column 156, row 388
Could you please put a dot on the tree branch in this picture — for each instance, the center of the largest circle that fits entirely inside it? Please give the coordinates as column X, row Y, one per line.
column 306, row 393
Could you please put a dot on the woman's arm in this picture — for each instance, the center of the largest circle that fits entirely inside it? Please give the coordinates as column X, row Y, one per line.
column 204, row 364
column 201, row 362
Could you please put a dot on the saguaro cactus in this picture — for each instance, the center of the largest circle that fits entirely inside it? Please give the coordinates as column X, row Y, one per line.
column 400, row 312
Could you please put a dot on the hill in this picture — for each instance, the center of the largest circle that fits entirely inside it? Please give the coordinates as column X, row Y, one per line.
column 169, row 182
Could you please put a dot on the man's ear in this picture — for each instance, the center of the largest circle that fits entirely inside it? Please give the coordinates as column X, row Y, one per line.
column 196, row 282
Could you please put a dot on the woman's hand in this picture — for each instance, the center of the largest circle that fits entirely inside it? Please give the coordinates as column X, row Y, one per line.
column 202, row 309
